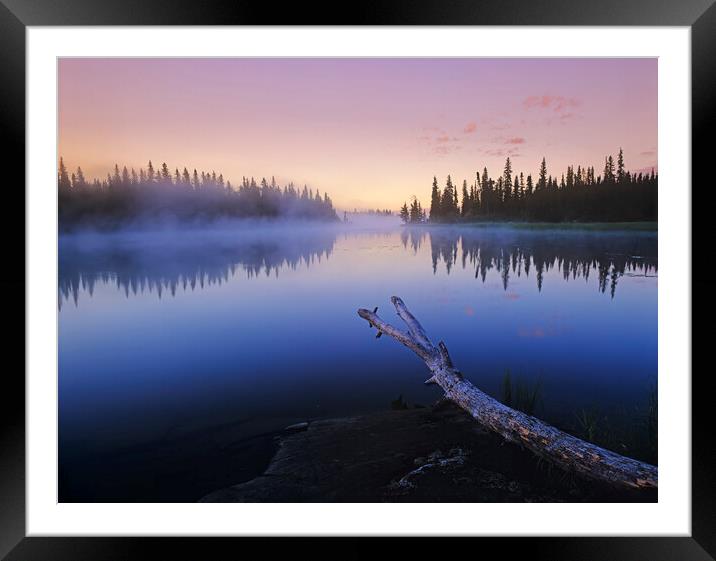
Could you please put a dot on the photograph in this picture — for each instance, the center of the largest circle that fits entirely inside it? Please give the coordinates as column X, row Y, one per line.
column 357, row 279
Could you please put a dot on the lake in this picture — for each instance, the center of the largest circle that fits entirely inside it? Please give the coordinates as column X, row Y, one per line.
column 181, row 354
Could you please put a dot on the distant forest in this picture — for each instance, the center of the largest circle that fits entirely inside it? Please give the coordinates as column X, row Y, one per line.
column 580, row 195
column 126, row 197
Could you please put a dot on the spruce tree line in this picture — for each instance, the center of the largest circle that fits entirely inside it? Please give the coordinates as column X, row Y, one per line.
column 126, row 196
column 415, row 214
column 579, row 195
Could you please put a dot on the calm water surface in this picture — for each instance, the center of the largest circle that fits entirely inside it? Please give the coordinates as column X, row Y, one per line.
column 181, row 354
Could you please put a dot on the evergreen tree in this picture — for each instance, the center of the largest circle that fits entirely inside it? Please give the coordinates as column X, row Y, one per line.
column 620, row 167
column 448, row 206
column 415, row 212
column 116, row 178
column 507, row 179
column 435, row 210
column 542, row 181
column 609, row 170
column 475, row 198
column 499, row 194
column 569, row 183
column 81, row 182
column 466, row 202
column 486, row 193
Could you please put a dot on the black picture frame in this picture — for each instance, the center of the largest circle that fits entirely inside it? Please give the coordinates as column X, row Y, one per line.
column 16, row 15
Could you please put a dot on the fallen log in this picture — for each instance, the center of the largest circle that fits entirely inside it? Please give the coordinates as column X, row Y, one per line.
column 563, row 450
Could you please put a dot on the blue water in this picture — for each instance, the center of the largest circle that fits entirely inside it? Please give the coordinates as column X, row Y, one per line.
column 180, row 352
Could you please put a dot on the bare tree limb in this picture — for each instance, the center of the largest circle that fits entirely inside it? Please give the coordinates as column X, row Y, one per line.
column 564, row 450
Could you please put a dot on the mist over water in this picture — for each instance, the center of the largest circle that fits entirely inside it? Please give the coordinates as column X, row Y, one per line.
column 167, row 334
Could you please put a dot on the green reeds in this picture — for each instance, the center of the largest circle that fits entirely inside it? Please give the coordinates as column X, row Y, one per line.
column 521, row 395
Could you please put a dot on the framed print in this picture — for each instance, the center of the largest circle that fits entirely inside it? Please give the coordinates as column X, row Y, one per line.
column 423, row 273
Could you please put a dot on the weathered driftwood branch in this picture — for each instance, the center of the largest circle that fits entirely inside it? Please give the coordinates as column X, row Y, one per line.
column 564, row 450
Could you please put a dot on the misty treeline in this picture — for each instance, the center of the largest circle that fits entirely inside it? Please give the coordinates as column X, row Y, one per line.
column 615, row 195
column 127, row 196
column 369, row 212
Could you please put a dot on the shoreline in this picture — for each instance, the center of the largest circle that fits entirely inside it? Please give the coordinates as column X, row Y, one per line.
column 427, row 454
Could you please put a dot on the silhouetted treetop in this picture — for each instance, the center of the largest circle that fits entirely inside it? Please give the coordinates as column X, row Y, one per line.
column 578, row 196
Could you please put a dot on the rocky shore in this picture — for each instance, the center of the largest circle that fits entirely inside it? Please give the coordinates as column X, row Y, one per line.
column 415, row 455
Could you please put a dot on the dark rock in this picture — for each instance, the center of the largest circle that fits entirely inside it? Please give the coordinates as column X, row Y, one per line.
column 390, row 456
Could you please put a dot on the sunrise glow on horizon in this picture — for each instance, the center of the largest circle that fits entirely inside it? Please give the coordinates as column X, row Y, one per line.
column 370, row 132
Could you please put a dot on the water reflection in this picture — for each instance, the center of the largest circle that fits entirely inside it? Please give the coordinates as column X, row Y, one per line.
column 163, row 265
column 168, row 263
column 513, row 252
column 170, row 399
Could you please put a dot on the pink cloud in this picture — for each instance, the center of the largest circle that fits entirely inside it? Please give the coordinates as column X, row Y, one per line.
column 557, row 103
column 440, row 142
column 508, row 140
column 445, row 149
column 512, row 152
column 470, row 127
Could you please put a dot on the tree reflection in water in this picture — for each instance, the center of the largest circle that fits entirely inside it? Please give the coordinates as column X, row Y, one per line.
column 168, row 263
column 609, row 255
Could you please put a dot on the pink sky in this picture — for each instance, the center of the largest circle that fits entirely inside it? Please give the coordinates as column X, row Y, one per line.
column 371, row 132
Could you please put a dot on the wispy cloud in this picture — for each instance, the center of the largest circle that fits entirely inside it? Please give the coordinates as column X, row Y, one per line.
column 502, row 152
column 470, row 128
column 445, row 149
column 556, row 103
column 444, row 138
column 510, row 140
column 439, row 141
